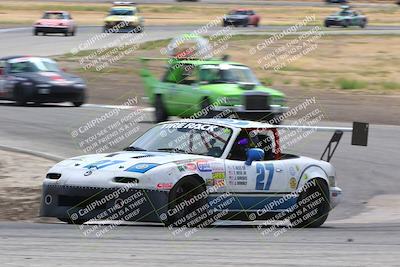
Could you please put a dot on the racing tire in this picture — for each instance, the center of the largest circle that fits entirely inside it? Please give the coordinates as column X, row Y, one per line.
column 316, row 215
column 256, row 25
column 196, row 213
column 78, row 103
column 160, row 112
column 35, row 32
column 276, row 120
column 327, row 25
column 345, row 24
column 19, row 97
column 363, row 24
column 138, row 29
column 204, row 105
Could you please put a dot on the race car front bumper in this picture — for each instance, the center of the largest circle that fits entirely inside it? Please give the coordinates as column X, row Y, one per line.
column 335, row 196
column 48, row 93
column 51, row 29
column 332, row 22
column 78, row 204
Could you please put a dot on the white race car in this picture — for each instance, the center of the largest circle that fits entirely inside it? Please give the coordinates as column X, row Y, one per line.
column 193, row 172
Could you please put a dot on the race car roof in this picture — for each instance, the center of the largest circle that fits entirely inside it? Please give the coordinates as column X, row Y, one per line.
column 12, row 57
column 198, row 62
column 56, row 12
column 232, row 123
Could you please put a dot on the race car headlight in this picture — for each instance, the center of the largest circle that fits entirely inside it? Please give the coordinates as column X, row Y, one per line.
column 126, row 180
column 332, row 181
column 79, row 85
column 53, row 176
column 278, row 101
column 232, row 100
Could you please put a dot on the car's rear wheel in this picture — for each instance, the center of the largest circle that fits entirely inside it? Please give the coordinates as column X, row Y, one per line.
column 160, row 112
column 35, row 32
column 345, row 24
column 78, row 103
column 327, row 24
column 188, row 203
column 19, row 97
column 313, row 205
column 363, row 24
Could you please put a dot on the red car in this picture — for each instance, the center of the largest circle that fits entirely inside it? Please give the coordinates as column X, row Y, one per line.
column 241, row 17
column 55, row 22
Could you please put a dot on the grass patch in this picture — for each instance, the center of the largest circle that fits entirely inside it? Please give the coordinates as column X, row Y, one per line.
column 391, row 85
column 349, row 84
column 267, row 81
column 50, row 6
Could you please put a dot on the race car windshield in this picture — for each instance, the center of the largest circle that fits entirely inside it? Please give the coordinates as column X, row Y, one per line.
column 186, row 138
column 33, row 65
column 231, row 74
column 238, row 12
column 121, row 12
column 54, row 16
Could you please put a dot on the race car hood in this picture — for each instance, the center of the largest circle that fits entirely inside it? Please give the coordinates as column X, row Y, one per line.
column 335, row 17
column 51, row 77
column 230, row 89
column 53, row 22
column 100, row 170
column 121, row 18
column 129, row 161
column 233, row 17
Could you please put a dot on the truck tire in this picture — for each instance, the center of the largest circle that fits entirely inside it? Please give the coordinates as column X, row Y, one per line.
column 160, row 112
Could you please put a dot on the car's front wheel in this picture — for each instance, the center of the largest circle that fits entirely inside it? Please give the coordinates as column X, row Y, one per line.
column 188, row 206
column 160, row 112
column 312, row 205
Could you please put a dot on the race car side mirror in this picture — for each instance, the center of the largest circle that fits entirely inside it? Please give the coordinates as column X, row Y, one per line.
column 254, row 154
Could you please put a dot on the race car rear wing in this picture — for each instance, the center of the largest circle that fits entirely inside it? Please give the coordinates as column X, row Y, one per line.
column 359, row 135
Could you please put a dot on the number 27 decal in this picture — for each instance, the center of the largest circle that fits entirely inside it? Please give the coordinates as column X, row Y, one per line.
column 261, row 184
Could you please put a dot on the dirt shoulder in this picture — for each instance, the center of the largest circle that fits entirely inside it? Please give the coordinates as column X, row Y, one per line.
column 85, row 13
column 21, row 178
column 352, row 77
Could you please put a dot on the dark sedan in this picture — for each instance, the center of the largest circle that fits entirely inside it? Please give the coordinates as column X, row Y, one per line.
column 35, row 79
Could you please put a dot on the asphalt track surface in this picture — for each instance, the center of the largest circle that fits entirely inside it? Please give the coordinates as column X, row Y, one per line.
column 363, row 173
column 244, row 3
column 17, row 41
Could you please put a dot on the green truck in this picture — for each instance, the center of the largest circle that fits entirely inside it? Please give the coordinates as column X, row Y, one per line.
column 192, row 88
